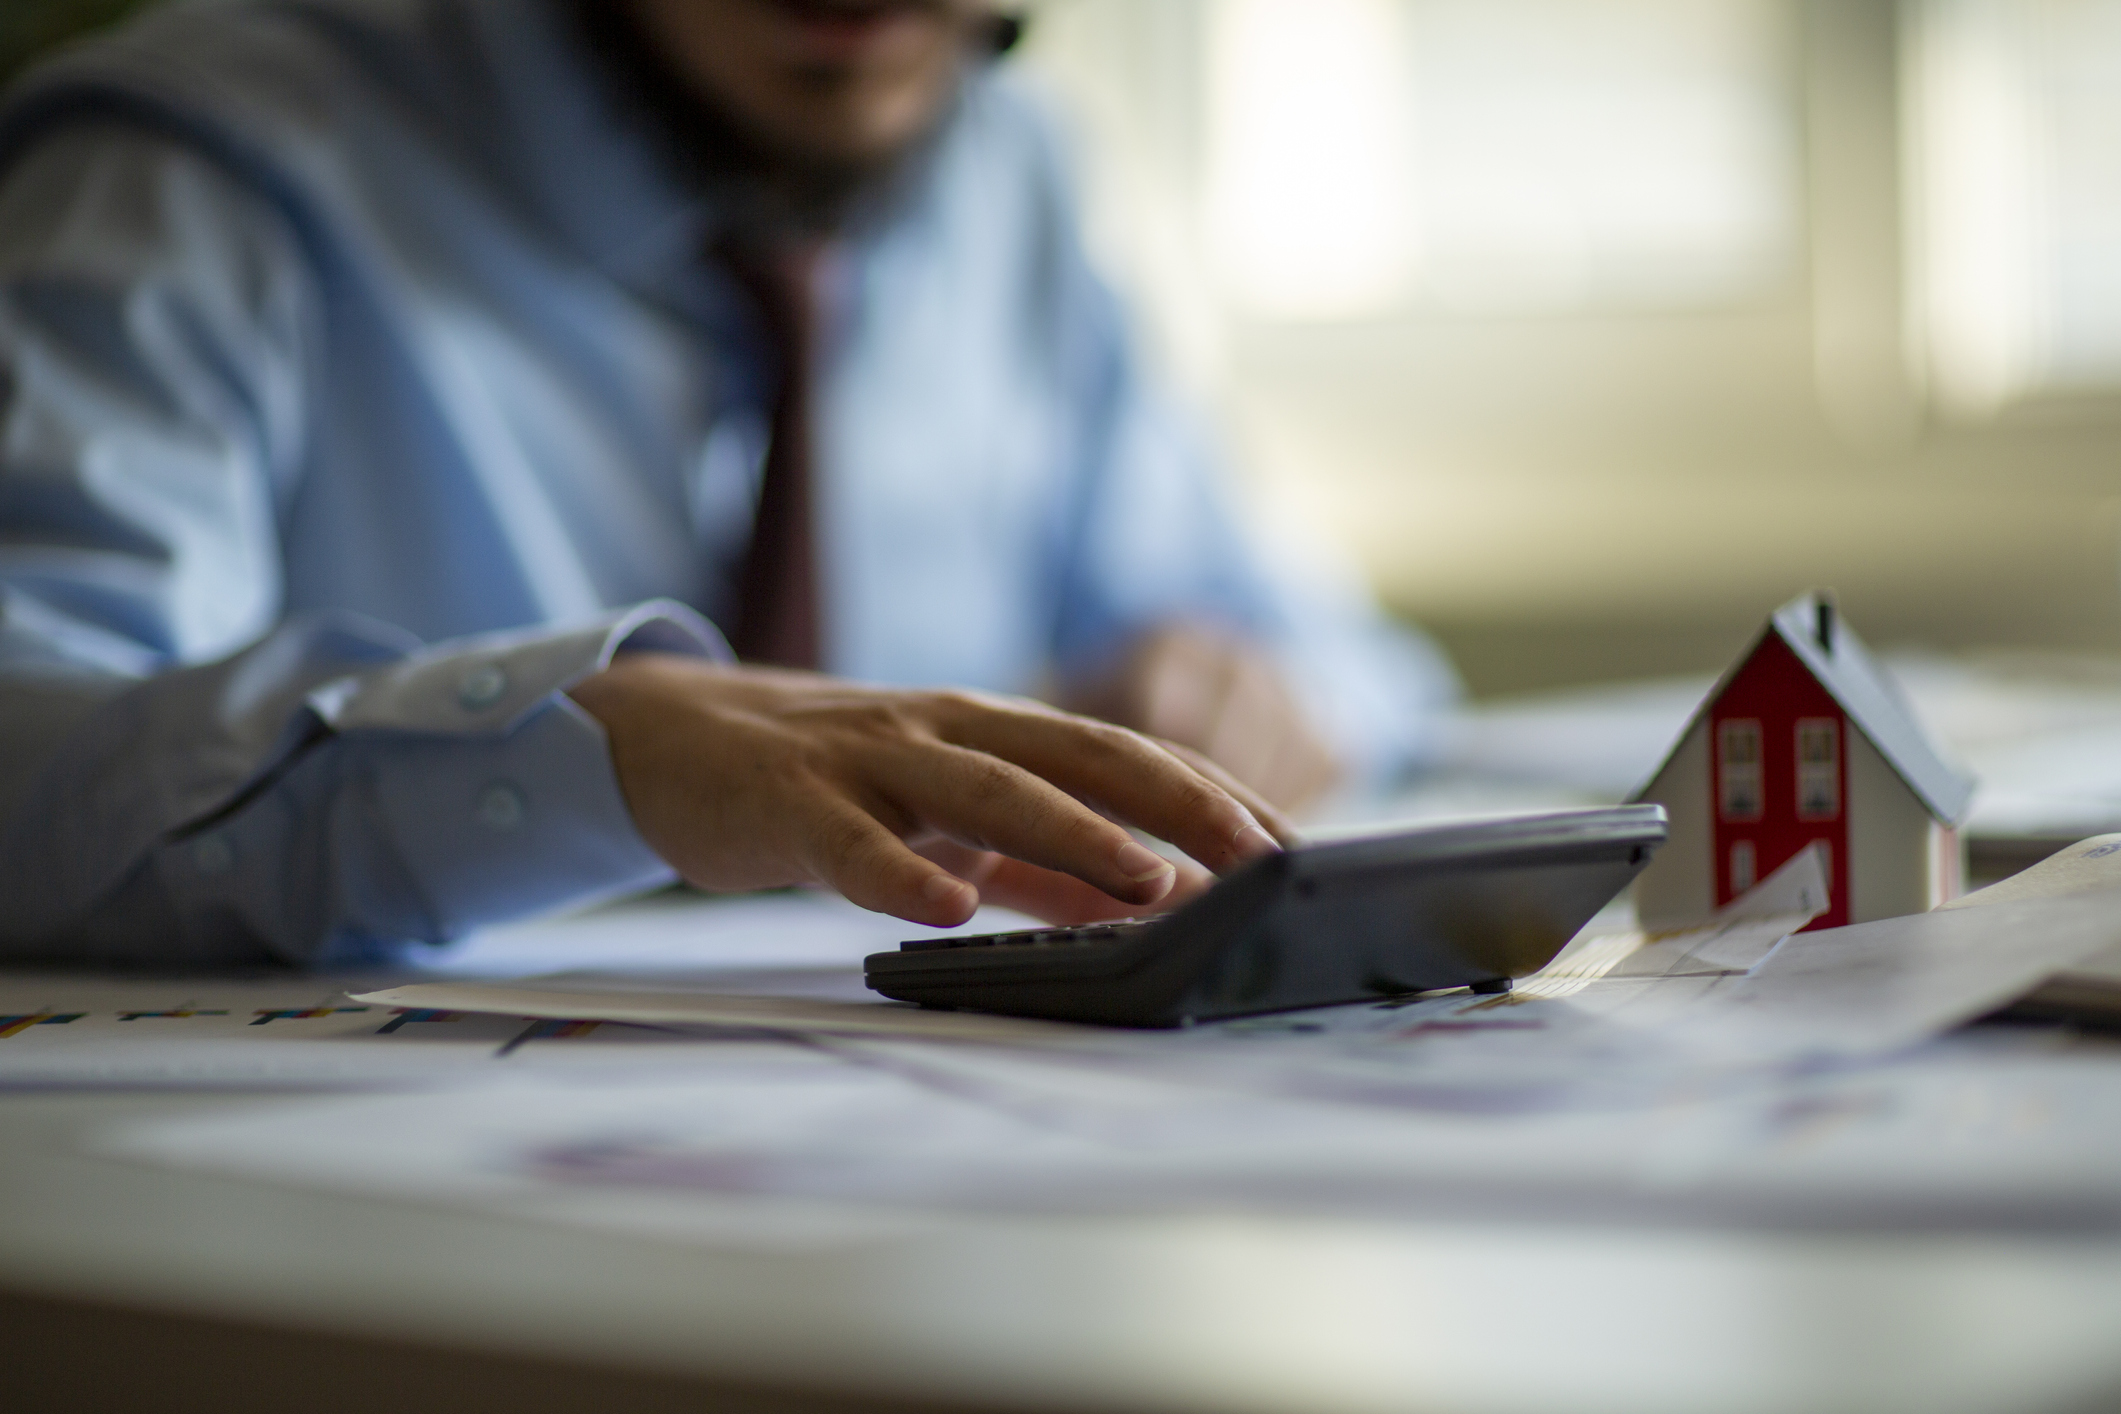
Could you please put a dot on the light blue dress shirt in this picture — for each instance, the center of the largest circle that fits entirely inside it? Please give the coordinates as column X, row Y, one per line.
column 362, row 388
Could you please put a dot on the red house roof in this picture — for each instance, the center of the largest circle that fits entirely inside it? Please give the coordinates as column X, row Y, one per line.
column 1834, row 656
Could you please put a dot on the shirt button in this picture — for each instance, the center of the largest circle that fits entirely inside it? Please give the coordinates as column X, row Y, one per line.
column 210, row 854
column 501, row 807
column 481, row 687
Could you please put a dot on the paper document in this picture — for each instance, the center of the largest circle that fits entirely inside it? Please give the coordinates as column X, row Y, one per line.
column 610, row 999
column 283, row 1029
column 1731, row 940
column 1682, row 1085
column 2088, row 991
column 796, row 1143
column 1743, row 988
column 836, row 1001
column 278, row 1031
column 680, row 929
column 2088, row 866
column 1877, row 987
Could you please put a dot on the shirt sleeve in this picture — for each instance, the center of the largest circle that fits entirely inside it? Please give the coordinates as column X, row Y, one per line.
column 329, row 793
column 183, row 778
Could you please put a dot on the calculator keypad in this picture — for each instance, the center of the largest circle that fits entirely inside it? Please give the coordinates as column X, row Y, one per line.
column 1087, row 935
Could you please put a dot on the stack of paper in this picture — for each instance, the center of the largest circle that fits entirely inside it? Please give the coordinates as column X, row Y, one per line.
column 1734, row 1073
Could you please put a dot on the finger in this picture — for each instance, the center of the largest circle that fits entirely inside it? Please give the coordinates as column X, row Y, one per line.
column 1132, row 777
column 1193, row 881
column 849, row 850
column 972, row 865
column 987, row 803
column 1050, row 896
column 1264, row 810
column 1065, row 899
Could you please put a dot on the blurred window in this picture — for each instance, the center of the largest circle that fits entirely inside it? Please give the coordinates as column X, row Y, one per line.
column 2015, row 147
column 1369, row 155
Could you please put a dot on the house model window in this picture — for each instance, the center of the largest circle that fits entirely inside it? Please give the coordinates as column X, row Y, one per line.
column 1805, row 744
column 1738, row 749
column 1818, row 768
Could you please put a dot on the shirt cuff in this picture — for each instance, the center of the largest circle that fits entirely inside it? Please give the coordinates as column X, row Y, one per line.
column 459, row 787
column 507, row 804
column 530, row 823
column 493, row 682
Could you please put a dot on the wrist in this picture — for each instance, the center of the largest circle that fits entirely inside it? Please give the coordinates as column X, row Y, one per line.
column 607, row 693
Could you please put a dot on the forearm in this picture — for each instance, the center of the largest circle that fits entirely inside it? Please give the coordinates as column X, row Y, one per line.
column 328, row 794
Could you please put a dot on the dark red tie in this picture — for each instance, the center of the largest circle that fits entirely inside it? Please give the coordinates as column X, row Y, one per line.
column 776, row 618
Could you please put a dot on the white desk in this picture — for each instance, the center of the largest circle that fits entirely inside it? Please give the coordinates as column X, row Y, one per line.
column 247, row 1295
column 414, row 1302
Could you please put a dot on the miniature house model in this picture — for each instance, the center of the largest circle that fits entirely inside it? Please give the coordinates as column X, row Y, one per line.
column 1805, row 740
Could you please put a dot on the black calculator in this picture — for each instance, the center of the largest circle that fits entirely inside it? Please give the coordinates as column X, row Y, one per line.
column 1453, row 905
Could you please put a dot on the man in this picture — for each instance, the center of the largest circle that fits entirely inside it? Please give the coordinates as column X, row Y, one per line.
column 383, row 381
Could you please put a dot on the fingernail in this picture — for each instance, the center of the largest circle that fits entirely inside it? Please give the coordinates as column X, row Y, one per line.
column 1140, row 863
column 1254, row 843
column 940, row 887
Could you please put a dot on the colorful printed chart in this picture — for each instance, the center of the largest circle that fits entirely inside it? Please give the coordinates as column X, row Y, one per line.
column 15, row 1025
column 301, row 1013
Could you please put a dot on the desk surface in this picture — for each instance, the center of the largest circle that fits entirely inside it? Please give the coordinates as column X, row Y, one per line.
column 1204, row 1313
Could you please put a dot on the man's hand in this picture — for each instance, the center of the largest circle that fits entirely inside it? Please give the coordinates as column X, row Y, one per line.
column 1224, row 699
column 910, row 803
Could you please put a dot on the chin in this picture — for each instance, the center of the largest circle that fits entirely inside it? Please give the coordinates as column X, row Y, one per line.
column 845, row 84
column 869, row 127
